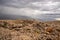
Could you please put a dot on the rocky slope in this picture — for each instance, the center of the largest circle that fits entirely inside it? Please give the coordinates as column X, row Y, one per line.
column 28, row 30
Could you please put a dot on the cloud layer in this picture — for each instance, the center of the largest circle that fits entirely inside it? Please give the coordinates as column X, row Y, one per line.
column 29, row 7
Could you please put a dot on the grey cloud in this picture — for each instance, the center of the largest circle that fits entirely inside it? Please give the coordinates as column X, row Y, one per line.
column 30, row 7
column 43, row 6
column 26, row 3
column 56, row 0
column 17, row 3
column 40, row 5
column 12, row 3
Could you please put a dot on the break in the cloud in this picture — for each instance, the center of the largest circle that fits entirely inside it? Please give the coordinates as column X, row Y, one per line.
column 29, row 7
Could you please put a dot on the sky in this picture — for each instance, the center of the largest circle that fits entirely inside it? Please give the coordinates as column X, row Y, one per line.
column 29, row 7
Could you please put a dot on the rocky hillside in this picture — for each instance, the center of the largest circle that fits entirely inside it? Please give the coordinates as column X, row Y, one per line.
column 28, row 30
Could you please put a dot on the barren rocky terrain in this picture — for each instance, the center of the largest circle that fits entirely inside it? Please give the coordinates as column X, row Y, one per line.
column 29, row 30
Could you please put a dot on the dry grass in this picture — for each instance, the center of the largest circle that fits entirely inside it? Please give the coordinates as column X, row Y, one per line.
column 29, row 30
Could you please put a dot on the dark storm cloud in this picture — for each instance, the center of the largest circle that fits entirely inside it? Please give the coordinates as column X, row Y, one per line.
column 42, row 5
column 38, row 6
column 29, row 7
column 28, row 3
column 17, row 3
